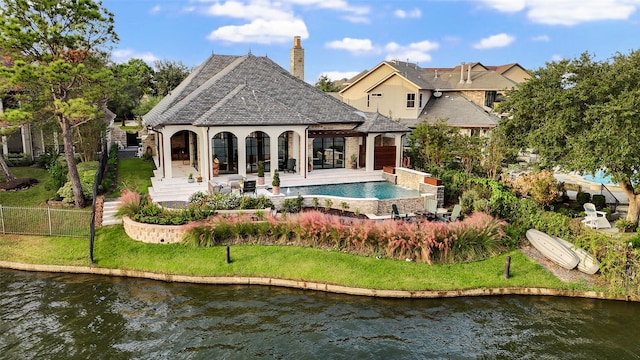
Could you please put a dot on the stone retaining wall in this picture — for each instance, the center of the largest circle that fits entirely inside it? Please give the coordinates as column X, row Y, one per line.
column 415, row 180
column 151, row 233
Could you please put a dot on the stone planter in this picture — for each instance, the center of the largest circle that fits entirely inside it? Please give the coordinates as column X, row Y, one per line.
column 275, row 190
column 261, row 180
column 432, row 181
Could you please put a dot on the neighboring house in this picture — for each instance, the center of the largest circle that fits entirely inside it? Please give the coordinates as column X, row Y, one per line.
column 464, row 95
column 245, row 109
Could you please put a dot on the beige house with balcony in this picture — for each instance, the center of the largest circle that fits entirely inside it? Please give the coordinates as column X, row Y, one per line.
column 464, row 95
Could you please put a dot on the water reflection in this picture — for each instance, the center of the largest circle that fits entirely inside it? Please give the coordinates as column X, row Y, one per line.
column 76, row 316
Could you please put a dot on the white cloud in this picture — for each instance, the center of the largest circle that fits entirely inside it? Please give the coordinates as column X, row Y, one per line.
column 261, row 31
column 339, row 75
column 541, row 38
column 337, row 5
column 495, row 41
column 251, row 10
column 572, row 12
column 414, row 52
column 402, row 14
column 124, row 55
column 567, row 12
column 355, row 46
column 156, row 9
column 557, row 57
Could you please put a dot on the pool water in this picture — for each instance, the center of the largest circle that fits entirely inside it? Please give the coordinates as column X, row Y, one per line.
column 373, row 189
column 599, row 177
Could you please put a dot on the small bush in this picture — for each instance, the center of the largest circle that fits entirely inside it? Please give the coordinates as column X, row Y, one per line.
column 599, row 201
column 293, row 205
column 625, row 225
column 583, row 198
column 18, row 159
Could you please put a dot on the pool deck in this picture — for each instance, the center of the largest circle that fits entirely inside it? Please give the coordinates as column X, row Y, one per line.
column 179, row 189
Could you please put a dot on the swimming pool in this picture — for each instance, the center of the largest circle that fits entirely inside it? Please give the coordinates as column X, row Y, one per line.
column 599, row 178
column 360, row 190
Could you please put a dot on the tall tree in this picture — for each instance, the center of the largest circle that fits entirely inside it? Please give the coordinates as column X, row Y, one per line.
column 325, row 84
column 583, row 115
column 168, row 75
column 58, row 49
column 133, row 81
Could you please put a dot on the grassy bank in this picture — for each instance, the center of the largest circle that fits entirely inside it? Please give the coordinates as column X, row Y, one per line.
column 113, row 249
column 35, row 195
column 133, row 174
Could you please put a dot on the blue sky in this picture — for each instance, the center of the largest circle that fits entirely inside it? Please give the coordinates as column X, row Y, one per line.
column 344, row 37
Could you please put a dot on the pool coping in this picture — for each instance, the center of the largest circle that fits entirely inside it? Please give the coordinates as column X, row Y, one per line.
column 309, row 285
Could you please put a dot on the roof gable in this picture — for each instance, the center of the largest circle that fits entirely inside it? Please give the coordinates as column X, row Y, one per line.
column 238, row 90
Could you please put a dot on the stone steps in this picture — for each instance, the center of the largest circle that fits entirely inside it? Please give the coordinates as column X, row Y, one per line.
column 109, row 209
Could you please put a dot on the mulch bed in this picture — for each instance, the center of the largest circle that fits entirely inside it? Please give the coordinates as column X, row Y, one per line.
column 567, row 276
column 17, row 184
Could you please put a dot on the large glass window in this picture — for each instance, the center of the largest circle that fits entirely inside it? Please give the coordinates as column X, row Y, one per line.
column 489, row 98
column 258, row 150
column 328, row 153
column 225, row 148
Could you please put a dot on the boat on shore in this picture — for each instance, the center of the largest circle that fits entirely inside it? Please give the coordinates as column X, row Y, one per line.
column 588, row 264
column 552, row 249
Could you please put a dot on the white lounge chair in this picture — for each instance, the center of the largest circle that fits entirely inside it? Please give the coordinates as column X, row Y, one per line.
column 595, row 219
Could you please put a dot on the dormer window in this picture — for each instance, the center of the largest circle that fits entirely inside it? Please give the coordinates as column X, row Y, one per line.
column 411, row 100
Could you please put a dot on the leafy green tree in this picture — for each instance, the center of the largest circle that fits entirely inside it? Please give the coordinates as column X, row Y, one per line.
column 133, row 81
column 433, row 143
column 168, row 75
column 58, row 48
column 325, row 84
column 582, row 115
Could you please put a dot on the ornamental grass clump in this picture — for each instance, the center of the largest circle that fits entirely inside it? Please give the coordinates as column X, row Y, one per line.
column 129, row 203
column 478, row 236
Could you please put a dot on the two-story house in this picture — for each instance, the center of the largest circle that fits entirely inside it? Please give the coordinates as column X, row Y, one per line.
column 464, row 95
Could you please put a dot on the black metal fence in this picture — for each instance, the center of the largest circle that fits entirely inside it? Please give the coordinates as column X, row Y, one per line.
column 96, row 187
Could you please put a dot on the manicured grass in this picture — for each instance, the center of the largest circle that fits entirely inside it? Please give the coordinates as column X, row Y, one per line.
column 34, row 196
column 114, row 249
column 133, row 174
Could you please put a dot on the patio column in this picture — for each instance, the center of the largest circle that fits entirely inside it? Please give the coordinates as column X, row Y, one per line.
column 299, row 154
column 166, row 155
column 242, row 153
column 204, row 160
column 399, row 147
column 371, row 144
column 27, row 144
column 273, row 151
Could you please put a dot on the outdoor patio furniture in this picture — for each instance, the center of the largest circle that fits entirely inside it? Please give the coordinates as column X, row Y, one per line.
column 291, row 165
column 451, row 216
column 249, row 186
column 595, row 219
column 396, row 214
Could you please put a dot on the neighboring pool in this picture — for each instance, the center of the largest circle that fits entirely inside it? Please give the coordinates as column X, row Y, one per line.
column 373, row 189
column 599, row 178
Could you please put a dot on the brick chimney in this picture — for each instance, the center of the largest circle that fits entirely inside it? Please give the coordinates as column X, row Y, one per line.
column 297, row 59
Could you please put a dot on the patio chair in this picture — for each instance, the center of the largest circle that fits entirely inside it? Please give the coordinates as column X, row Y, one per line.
column 595, row 219
column 249, row 186
column 291, row 165
column 395, row 214
column 453, row 215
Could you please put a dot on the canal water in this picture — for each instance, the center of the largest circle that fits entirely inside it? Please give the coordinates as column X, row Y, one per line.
column 59, row 316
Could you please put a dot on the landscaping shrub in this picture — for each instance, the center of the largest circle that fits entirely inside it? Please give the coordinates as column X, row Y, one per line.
column 619, row 262
column 57, row 168
column 599, row 201
column 625, row 225
column 583, row 198
column 293, row 205
column 87, row 171
column 129, row 204
column 18, row 159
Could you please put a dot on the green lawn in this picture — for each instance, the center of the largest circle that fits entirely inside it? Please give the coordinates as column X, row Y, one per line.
column 114, row 249
column 34, row 196
column 133, row 174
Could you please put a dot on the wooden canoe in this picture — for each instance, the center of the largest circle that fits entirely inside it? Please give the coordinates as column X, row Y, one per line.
column 553, row 249
column 588, row 264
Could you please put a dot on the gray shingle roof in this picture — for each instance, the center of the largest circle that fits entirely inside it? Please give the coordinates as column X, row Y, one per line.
column 459, row 112
column 378, row 123
column 247, row 90
column 412, row 72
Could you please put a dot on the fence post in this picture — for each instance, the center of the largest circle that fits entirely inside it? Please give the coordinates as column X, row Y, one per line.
column 50, row 224
column 2, row 216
